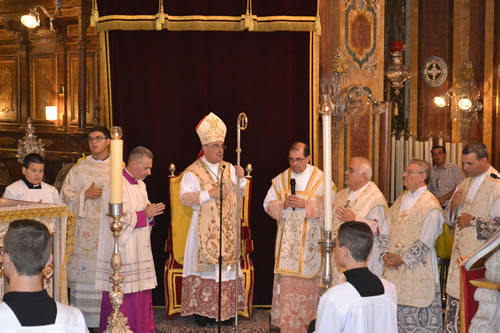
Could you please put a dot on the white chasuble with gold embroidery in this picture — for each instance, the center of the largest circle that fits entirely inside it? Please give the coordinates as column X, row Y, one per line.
column 466, row 239
column 416, row 286
column 297, row 249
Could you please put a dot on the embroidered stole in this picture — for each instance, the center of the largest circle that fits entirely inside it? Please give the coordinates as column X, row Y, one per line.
column 298, row 253
column 370, row 198
column 209, row 218
column 415, row 287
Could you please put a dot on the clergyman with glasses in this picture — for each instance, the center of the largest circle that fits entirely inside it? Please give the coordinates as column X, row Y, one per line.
column 81, row 192
column 295, row 199
column 200, row 189
column 416, row 221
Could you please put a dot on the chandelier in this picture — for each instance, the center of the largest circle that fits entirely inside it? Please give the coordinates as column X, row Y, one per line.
column 464, row 99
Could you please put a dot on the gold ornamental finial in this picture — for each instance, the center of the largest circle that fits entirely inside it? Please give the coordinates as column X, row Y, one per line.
column 339, row 63
column 171, row 168
column 249, row 170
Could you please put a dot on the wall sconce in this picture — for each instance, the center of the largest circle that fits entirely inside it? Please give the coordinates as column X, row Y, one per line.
column 32, row 20
column 464, row 99
column 350, row 102
column 51, row 112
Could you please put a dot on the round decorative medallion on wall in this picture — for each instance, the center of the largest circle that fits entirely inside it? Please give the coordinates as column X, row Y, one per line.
column 435, row 71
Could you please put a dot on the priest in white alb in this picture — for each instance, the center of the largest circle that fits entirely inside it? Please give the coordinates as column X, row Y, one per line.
column 82, row 193
column 295, row 199
column 362, row 201
column 200, row 189
column 416, row 221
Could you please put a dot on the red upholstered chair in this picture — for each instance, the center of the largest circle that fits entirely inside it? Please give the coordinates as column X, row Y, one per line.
column 179, row 226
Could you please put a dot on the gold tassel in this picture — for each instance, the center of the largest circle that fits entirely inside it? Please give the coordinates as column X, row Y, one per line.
column 94, row 17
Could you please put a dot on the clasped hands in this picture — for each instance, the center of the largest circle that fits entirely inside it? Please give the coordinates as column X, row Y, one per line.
column 294, row 201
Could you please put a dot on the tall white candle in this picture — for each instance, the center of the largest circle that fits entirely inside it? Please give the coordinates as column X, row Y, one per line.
column 453, row 157
column 440, row 141
column 448, row 152
column 327, row 170
column 393, row 168
column 116, row 152
column 407, row 154
column 410, row 147
column 401, row 164
column 459, row 154
column 426, row 151
column 431, row 144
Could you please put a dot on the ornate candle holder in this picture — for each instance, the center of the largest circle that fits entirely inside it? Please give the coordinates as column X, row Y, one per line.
column 117, row 322
column 327, row 243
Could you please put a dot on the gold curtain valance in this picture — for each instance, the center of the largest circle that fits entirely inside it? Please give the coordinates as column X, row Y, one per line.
column 246, row 21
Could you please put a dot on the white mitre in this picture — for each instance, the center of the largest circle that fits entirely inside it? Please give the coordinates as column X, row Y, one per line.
column 211, row 128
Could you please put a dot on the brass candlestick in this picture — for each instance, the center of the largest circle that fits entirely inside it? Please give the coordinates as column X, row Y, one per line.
column 117, row 322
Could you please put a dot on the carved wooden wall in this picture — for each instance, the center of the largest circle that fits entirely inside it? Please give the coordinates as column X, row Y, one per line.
column 40, row 68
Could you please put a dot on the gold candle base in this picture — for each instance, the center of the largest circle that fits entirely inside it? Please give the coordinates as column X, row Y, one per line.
column 117, row 322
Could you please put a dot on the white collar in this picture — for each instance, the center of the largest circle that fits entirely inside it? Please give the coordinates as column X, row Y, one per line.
column 306, row 171
column 418, row 192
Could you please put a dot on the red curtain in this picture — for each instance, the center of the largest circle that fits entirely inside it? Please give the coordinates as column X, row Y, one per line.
column 164, row 82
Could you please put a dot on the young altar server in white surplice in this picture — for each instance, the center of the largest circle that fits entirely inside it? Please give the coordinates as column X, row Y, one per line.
column 365, row 303
column 81, row 192
column 297, row 267
column 416, row 221
column 31, row 187
column 200, row 190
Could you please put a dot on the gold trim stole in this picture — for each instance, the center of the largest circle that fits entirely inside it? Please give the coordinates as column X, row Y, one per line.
column 298, row 253
column 209, row 218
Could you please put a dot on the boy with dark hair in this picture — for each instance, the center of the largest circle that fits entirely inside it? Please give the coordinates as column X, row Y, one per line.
column 27, row 306
column 31, row 187
column 365, row 303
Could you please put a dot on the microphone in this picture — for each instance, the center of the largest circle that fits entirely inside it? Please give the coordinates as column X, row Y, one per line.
column 494, row 176
column 222, row 174
column 292, row 186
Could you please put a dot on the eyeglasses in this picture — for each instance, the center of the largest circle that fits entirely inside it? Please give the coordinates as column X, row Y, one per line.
column 217, row 146
column 296, row 160
column 96, row 138
column 411, row 171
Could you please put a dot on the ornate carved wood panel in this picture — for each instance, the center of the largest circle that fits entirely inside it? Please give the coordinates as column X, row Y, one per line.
column 9, row 91
column 43, row 85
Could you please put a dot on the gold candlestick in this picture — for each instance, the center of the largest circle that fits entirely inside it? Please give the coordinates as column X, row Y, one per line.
column 117, row 322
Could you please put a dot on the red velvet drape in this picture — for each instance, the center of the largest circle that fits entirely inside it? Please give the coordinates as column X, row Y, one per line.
column 164, row 82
